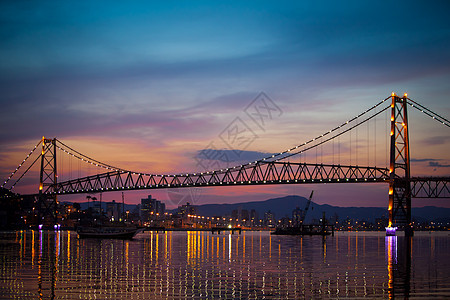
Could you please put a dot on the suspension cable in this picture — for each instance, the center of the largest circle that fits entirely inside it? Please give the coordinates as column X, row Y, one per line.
column 17, row 181
column 87, row 159
column 324, row 134
column 276, row 157
column 337, row 135
column 21, row 164
column 428, row 112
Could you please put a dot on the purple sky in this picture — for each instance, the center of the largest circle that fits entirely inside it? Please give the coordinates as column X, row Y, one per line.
column 147, row 87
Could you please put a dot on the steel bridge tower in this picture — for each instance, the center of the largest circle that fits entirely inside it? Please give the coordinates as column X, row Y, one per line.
column 399, row 179
column 48, row 180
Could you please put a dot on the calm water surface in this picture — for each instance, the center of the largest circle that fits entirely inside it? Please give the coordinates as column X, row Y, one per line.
column 198, row 265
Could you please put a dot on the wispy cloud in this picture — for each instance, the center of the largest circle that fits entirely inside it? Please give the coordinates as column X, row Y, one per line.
column 227, row 155
column 423, row 159
column 438, row 165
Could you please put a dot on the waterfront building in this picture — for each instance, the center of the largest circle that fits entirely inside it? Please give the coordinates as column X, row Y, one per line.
column 151, row 207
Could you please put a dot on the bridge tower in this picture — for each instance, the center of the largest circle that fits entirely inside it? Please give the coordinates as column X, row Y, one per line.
column 48, row 179
column 399, row 180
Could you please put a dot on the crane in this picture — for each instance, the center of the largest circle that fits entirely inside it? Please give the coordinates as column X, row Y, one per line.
column 303, row 216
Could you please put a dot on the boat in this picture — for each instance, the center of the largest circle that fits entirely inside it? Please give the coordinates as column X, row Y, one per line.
column 300, row 228
column 109, row 230
column 119, row 232
column 304, row 230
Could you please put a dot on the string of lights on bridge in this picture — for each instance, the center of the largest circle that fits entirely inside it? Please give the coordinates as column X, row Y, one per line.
column 428, row 112
column 274, row 157
column 20, row 165
column 87, row 159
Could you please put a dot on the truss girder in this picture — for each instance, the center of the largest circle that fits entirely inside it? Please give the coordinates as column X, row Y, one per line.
column 253, row 174
column 433, row 187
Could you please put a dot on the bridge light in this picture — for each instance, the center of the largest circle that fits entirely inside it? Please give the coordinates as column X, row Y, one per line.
column 405, row 95
column 393, row 94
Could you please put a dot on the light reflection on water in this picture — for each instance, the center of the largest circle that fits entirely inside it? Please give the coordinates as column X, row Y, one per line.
column 198, row 264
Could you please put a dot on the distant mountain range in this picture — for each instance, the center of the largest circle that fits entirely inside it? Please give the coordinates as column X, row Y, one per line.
column 284, row 206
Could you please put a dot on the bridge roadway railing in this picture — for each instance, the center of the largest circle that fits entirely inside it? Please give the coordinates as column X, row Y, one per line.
column 259, row 173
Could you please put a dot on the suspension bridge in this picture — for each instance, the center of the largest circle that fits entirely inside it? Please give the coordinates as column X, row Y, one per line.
column 277, row 168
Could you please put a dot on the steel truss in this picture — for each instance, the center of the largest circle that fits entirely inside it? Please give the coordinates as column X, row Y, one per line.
column 260, row 173
column 430, row 187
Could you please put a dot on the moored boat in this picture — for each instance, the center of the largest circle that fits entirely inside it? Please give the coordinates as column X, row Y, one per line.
column 306, row 230
column 121, row 232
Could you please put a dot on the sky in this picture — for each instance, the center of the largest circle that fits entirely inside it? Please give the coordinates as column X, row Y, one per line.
column 147, row 86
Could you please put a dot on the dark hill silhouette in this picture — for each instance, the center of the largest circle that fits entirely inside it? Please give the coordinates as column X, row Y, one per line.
column 283, row 206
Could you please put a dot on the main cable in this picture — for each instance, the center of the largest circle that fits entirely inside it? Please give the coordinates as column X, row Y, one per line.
column 21, row 164
column 17, row 181
column 428, row 112
column 89, row 159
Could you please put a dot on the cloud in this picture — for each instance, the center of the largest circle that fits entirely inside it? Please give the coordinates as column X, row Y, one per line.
column 437, row 140
column 216, row 159
column 422, row 159
column 438, row 165
column 432, row 162
column 226, row 155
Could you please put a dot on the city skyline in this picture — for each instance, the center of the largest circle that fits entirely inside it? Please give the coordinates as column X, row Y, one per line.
column 148, row 87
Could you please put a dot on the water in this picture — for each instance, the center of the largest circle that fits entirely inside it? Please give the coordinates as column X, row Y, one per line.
column 198, row 265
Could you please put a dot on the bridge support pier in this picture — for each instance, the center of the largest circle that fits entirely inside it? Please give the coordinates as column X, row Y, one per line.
column 399, row 181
